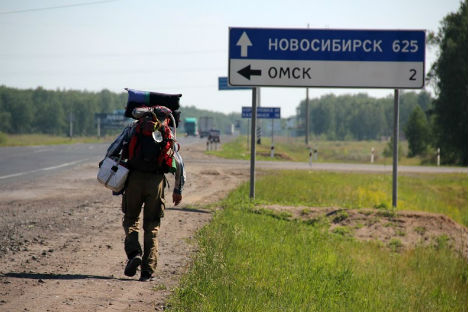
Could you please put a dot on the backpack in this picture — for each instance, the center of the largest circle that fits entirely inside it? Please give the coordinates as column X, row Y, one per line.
column 151, row 146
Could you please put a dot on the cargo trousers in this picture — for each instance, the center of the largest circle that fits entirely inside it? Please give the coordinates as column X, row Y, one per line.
column 144, row 190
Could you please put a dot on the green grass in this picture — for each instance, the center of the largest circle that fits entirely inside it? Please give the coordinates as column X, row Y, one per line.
column 253, row 262
column 294, row 149
column 438, row 193
column 44, row 139
column 254, row 259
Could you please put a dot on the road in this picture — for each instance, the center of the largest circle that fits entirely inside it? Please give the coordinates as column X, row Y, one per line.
column 20, row 163
column 26, row 162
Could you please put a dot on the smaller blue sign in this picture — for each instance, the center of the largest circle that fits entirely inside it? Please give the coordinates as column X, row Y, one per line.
column 223, row 85
column 262, row 112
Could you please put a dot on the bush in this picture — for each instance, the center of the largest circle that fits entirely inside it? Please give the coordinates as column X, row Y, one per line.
column 388, row 151
column 3, row 138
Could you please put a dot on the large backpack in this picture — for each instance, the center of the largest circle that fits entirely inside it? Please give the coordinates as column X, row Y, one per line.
column 151, row 146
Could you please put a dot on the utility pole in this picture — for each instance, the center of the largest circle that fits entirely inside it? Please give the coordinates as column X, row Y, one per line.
column 71, row 125
column 99, row 127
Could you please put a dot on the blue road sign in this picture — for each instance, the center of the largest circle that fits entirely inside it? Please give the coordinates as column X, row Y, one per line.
column 223, row 85
column 262, row 112
column 326, row 58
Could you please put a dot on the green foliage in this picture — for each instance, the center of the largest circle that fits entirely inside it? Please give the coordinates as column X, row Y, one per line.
column 294, row 149
column 450, row 74
column 342, row 230
column 417, row 132
column 388, row 151
column 395, row 244
column 358, row 117
column 420, row 230
column 48, row 112
column 3, row 138
column 340, row 216
column 257, row 262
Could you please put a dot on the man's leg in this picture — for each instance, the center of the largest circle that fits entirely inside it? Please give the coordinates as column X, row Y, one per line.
column 131, row 207
column 154, row 206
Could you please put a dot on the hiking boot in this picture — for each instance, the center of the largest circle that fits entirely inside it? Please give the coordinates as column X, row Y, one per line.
column 132, row 266
column 146, row 276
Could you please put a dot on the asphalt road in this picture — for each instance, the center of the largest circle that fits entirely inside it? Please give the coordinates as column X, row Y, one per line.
column 28, row 162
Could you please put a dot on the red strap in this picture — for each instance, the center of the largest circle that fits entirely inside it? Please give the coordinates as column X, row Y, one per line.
column 131, row 147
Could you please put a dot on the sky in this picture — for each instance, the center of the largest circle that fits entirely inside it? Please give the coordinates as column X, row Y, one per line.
column 178, row 46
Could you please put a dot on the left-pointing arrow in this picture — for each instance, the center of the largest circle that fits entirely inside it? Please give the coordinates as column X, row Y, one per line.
column 247, row 72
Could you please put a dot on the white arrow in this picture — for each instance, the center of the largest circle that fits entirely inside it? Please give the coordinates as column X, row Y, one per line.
column 244, row 43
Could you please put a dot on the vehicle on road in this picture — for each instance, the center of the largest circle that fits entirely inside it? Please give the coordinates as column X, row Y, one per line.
column 214, row 136
column 190, row 126
column 205, row 125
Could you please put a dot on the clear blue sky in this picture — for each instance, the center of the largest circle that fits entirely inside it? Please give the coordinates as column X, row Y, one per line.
column 176, row 46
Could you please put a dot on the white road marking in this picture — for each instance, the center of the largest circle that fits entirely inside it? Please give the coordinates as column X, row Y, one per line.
column 42, row 150
column 43, row 169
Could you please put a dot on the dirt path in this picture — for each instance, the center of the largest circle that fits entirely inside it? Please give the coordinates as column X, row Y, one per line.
column 61, row 240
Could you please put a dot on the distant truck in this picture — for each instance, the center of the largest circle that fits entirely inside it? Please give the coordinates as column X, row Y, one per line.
column 214, row 136
column 205, row 124
column 190, row 126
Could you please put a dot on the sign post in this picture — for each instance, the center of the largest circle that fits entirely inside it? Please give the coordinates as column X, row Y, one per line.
column 255, row 113
column 396, row 125
column 255, row 94
column 341, row 58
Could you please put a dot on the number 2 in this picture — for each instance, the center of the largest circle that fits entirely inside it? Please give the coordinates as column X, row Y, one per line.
column 413, row 74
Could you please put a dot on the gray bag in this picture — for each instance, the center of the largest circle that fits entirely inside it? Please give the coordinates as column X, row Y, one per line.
column 112, row 174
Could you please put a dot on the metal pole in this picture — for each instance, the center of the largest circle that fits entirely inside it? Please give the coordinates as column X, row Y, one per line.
column 259, row 130
column 307, row 118
column 71, row 125
column 307, row 114
column 396, row 117
column 272, row 127
column 99, row 127
column 255, row 94
column 248, row 133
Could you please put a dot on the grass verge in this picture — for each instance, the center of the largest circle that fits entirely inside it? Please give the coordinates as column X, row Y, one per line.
column 294, row 149
column 437, row 193
column 255, row 260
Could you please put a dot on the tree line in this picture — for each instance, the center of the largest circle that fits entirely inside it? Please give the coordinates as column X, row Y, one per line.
column 359, row 117
column 48, row 111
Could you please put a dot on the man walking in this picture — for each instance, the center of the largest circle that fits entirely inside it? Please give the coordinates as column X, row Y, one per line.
column 144, row 190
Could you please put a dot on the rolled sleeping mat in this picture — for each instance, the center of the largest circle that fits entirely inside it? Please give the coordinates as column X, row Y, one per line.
column 138, row 98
